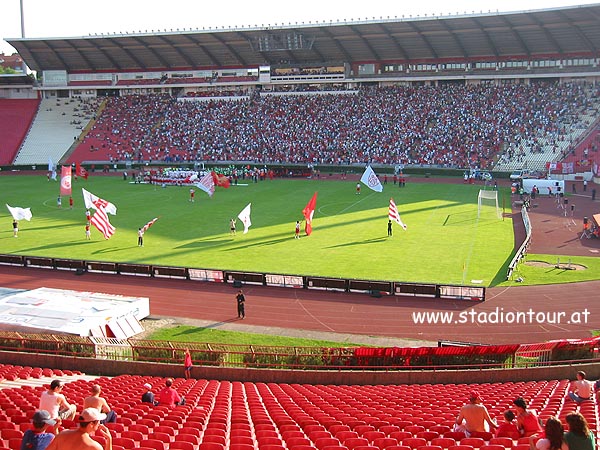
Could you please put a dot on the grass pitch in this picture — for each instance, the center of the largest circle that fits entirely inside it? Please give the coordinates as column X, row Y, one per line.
column 445, row 241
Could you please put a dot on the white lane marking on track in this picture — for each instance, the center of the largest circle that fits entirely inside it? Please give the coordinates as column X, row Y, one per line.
column 310, row 314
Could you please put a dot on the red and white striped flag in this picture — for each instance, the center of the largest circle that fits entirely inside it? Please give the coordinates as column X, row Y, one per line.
column 393, row 214
column 207, row 184
column 101, row 222
column 149, row 224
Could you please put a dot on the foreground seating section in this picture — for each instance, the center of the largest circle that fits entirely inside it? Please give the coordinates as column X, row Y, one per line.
column 244, row 416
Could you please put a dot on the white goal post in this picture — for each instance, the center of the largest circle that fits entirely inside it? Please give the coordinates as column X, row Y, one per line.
column 486, row 198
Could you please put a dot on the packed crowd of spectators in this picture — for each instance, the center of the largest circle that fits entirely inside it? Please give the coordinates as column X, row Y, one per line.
column 448, row 125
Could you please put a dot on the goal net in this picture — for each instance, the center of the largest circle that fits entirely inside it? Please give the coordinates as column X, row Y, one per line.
column 486, row 201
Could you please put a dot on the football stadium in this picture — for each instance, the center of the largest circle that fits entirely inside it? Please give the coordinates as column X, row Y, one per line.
column 396, row 218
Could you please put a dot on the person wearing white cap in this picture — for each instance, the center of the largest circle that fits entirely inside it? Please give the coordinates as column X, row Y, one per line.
column 79, row 438
column 42, row 433
column 148, row 396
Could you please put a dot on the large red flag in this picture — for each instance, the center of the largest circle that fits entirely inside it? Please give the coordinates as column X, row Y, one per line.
column 220, row 180
column 80, row 171
column 65, row 180
column 308, row 212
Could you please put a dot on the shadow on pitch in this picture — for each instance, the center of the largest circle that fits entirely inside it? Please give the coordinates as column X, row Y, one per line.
column 366, row 241
column 207, row 327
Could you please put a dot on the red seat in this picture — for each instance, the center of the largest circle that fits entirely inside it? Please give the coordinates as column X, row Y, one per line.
column 211, row 446
column 187, row 437
column 506, row 442
column 492, row 447
column 241, row 440
column 385, row 442
column 127, row 443
column 428, row 435
column 135, row 435
column 443, row 442
column 474, row 442
column 326, row 442
column 485, row 435
column 154, row 443
column 352, row 443
column 461, row 447
column 456, row 435
column 414, row 442
column 241, row 447
column 181, row 445
column 400, row 435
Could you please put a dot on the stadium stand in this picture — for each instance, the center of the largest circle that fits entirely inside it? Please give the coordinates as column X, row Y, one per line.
column 16, row 117
column 446, row 126
column 224, row 414
column 57, row 125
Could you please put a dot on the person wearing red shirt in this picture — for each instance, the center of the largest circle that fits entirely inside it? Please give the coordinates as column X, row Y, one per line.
column 169, row 396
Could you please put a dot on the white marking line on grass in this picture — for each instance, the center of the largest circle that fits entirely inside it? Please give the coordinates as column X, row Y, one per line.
column 311, row 315
column 352, row 205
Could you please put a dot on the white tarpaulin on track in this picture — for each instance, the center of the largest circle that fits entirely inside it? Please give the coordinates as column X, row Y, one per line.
column 73, row 312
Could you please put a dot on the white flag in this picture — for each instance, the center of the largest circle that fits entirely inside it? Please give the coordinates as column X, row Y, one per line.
column 91, row 201
column 393, row 214
column 370, row 179
column 207, row 184
column 19, row 213
column 244, row 216
column 52, row 168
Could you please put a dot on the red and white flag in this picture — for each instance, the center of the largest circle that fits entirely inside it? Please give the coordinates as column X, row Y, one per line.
column 92, row 201
column 393, row 214
column 308, row 213
column 220, row 179
column 65, row 180
column 80, row 171
column 370, row 179
column 149, row 224
column 101, row 222
column 207, row 184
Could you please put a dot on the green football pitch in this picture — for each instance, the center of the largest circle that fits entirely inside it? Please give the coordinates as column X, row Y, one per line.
column 445, row 241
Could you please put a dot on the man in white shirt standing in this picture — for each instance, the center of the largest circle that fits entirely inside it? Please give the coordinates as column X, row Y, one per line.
column 56, row 403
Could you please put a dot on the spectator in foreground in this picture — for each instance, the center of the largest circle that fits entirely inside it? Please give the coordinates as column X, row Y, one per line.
column 553, row 437
column 579, row 436
column 100, row 403
column 148, row 396
column 79, row 438
column 169, row 396
column 42, row 433
column 473, row 416
column 56, row 403
column 527, row 419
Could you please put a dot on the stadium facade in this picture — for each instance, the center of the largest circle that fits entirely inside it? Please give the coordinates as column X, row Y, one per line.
column 561, row 44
